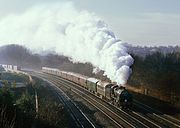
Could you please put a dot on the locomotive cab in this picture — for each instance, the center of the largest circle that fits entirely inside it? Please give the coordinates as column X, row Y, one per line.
column 112, row 90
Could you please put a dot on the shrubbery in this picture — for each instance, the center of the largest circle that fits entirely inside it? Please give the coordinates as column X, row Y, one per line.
column 158, row 71
column 19, row 111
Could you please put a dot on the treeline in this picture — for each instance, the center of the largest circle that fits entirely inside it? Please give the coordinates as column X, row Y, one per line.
column 142, row 51
column 22, row 56
column 19, row 55
column 158, row 71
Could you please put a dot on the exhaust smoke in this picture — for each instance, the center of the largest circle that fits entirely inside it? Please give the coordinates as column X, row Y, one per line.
column 80, row 35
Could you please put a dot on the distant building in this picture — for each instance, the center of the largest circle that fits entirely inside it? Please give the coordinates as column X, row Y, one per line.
column 1, row 68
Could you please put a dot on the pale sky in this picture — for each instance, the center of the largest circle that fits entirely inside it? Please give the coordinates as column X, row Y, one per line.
column 139, row 22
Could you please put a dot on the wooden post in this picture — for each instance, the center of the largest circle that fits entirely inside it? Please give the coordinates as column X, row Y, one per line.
column 36, row 97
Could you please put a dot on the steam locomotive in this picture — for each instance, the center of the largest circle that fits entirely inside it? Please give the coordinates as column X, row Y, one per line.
column 117, row 95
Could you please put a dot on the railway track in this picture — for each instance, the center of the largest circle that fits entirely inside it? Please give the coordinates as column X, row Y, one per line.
column 156, row 115
column 128, row 118
column 77, row 116
column 57, row 83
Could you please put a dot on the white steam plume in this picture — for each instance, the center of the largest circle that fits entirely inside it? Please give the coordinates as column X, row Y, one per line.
column 77, row 34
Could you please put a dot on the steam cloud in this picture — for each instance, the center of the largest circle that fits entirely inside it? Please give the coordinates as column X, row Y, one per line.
column 80, row 35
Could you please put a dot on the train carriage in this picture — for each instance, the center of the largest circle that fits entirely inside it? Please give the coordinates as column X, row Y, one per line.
column 55, row 71
column 83, row 81
column 63, row 74
column 69, row 76
column 59, row 73
column 92, row 84
column 47, row 70
column 80, row 79
column 75, row 78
